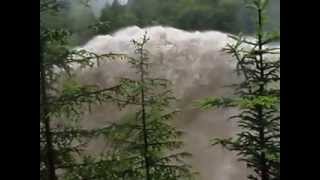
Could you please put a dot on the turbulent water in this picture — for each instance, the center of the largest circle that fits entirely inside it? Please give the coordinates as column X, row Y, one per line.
column 198, row 68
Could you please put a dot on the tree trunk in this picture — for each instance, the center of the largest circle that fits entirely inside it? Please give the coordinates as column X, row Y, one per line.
column 45, row 118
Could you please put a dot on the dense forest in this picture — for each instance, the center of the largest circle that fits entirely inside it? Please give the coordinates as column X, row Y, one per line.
column 223, row 15
column 143, row 141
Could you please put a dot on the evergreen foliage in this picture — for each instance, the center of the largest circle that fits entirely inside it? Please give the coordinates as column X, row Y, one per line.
column 257, row 97
column 147, row 142
column 223, row 15
column 145, row 145
column 139, row 148
column 62, row 140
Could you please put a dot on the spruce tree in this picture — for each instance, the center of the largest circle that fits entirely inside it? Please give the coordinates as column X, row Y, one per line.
column 257, row 97
column 148, row 143
column 62, row 139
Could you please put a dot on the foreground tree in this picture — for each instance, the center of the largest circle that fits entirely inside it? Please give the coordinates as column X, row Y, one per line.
column 149, row 145
column 257, row 97
column 140, row 147
column 63, row 101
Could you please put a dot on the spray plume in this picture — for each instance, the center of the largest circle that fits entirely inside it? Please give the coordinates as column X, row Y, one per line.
column 197, row 67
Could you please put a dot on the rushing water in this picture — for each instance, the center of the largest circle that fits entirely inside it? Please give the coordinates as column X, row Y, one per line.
column 197, row 67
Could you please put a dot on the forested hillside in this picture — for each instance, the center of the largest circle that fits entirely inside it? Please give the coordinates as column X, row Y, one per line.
column 223, row 15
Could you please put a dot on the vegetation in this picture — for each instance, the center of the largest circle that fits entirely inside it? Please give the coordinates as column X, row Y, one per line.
column 144, row 144
column 144, row 154
column 257, row 98
column 148, row 139
column 141, row 145
column 223, row 15
column 61, row 106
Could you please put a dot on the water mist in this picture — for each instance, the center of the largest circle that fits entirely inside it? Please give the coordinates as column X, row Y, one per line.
column 195, row 64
